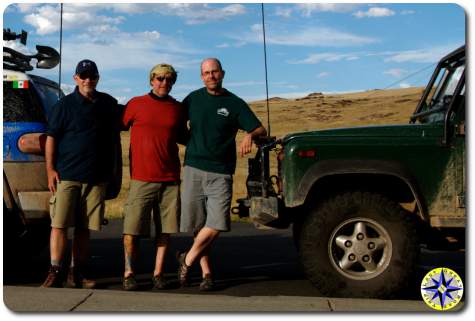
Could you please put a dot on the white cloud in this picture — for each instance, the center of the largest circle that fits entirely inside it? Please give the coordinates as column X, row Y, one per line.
column 374, row 12
column 427, row 55
column 186, row 88
column 413, row 56
column 284, row 84
column 244, row 84
column 234, row 9
column 46, row 18
column 406, row 12
column 239, row 44
column 307, row 9
column 194, row 13
column 26, row 7
column 128, row 50
column 17, row 46
column 395, row 72
column 102, row 29
column 122, row 99
column 67, row 89
column 283, row 12
column 130, row 8
column 257, row 27
column 310, row 37
column 405, row 85
column 223, row 45
column 323, row 74
column 326, row 56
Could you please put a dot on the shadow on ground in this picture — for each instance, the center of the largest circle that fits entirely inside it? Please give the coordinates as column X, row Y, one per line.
column 247, row 262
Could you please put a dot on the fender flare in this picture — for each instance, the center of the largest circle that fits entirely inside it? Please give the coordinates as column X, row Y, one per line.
column 327, row 168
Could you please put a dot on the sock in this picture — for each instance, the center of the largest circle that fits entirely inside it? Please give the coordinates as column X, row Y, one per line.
column 55, row 263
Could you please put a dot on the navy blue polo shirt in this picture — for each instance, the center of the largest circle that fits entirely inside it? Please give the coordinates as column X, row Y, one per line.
column 84, row 133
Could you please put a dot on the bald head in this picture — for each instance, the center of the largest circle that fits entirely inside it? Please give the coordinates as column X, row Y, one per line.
column 212, row 61
column 212, row 75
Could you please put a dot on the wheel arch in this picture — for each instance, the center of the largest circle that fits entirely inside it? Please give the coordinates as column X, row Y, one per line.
column 384, row 177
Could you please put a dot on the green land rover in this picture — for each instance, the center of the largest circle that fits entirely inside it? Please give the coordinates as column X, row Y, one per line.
column 363, row 200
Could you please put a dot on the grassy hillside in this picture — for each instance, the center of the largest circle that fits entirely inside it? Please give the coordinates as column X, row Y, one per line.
column 316, row 111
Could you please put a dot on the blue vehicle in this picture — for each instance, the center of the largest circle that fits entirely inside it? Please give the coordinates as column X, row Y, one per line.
column 26, row 102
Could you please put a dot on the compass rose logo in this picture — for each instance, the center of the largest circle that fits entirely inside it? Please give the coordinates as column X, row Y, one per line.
column 442, row 289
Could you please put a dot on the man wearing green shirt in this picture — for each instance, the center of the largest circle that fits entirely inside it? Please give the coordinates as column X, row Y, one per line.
column 215, row 116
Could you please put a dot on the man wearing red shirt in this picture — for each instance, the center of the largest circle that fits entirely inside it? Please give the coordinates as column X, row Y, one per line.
column 157, row 123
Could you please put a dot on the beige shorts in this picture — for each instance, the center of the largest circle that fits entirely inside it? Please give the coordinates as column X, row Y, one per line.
column 77, row 204
column 162, row 199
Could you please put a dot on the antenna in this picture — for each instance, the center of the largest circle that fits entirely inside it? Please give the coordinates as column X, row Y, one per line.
column 265, row 66
column 60, row 48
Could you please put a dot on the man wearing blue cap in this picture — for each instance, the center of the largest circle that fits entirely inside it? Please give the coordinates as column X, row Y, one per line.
column 81, row 138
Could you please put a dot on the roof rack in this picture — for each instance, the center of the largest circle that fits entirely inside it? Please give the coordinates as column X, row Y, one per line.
column 46, row 57
column 11, row 35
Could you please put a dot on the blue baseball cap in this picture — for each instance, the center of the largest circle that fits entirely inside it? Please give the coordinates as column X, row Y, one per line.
column 87, row 65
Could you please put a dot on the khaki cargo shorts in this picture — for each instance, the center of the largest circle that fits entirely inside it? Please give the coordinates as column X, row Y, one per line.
column 160, row 198
column 77, row 204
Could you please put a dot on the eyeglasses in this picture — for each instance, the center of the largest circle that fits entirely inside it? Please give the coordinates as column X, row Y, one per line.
column 169, row 79
column 92, row 77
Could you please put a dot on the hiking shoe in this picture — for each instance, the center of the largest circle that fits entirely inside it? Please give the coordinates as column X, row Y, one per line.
column 183, row 276
column 207, row 284
column 159, row 282
column 130, row 283
column 53, row 280
column 77, row 280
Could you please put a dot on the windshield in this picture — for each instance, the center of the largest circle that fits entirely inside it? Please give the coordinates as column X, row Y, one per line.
column 442, row 93
column 447, row 84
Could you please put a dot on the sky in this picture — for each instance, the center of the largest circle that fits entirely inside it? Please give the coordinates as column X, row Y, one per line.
column 311, row 47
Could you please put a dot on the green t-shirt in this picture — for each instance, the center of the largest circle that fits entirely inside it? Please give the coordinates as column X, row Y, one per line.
column 214, row 122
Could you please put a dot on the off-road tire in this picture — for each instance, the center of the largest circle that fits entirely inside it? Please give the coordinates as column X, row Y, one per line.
column 382, row 220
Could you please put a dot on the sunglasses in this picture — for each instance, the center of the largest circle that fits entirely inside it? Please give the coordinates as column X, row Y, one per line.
column 169, row 79
column 92, row 77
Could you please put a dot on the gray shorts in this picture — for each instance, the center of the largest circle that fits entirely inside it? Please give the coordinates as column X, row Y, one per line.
column 205, row 200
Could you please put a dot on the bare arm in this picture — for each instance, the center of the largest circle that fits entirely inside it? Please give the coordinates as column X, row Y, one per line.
column 246, row 143
column 53, row 176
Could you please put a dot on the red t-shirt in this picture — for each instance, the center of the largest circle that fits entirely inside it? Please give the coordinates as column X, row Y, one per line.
column 157, row 124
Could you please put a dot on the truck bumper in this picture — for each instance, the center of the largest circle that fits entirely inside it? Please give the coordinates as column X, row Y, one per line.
column 34, row 205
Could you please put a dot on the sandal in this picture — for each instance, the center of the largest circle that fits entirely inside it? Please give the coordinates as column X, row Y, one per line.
column 159, row 282
column 183, row 269
column 130, row 283
column 207, row 284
